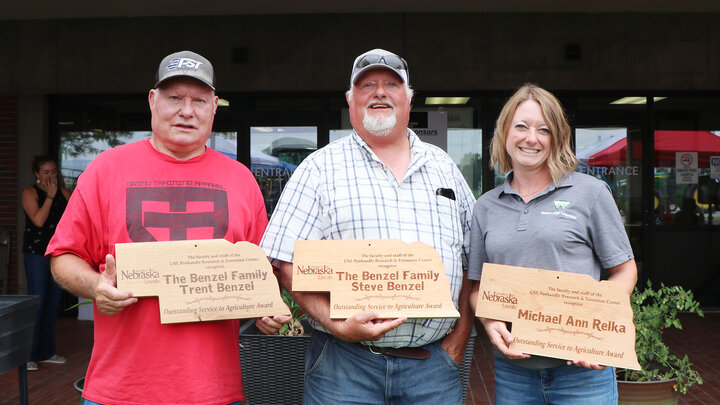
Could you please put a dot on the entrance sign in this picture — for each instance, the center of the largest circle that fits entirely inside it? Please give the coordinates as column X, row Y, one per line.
column 562, row 315
column 686, row 168
column 201, row 280
column 388, row 276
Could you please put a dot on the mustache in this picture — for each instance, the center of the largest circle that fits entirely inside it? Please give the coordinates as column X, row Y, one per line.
column 379, row 100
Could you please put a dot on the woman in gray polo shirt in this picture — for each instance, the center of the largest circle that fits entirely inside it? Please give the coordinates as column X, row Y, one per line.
column 514, row 224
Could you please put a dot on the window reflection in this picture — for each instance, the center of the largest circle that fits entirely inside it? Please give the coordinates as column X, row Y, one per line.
column 686, row 193
column 79, row 148
column 275, row 153
column 465, row 148
column 604, row 154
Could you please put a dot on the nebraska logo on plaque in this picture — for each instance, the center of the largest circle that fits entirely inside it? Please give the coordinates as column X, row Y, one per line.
column 562, row 315
column 388, row 276
column 201, row 280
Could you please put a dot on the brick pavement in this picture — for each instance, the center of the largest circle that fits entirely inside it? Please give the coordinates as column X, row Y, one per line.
column 53, row 384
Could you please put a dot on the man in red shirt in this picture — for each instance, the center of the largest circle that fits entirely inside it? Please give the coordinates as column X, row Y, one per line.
column 168, row 187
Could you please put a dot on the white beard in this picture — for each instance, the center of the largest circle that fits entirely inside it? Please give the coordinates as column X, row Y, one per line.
column 379, row 126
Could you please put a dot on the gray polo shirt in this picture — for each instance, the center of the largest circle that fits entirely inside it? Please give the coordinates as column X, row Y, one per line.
column 572, row 227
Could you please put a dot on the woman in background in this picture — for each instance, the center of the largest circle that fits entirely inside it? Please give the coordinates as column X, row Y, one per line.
column 514, row 225
column 44, row 203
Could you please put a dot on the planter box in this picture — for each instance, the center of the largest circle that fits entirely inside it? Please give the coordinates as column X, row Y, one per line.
column 273, row 367
column 17, row 323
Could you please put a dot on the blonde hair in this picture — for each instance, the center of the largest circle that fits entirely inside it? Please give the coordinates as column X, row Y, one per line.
column 561, row 160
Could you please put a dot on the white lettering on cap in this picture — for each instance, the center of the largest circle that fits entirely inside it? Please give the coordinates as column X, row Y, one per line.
column 184, row 63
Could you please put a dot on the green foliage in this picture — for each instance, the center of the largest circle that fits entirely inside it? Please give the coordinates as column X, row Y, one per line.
column 655, row 310
column 294, row 327
column 86, row 302
column 79, row 143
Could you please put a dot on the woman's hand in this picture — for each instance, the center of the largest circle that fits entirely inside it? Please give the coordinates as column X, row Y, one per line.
column 50, row 186
column 501, row 338
column 38, row 211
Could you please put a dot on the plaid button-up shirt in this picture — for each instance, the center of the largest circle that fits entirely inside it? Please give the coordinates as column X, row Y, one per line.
column 343, row 191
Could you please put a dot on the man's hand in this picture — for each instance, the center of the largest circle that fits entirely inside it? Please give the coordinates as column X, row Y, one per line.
column 501, row 338
column 271, row 325
column 363, row 326
column 108, row 299
column 455, row 345
column 360, row 327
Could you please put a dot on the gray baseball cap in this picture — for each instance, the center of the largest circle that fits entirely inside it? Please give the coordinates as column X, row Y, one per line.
column 379, row 59
column 188, row 64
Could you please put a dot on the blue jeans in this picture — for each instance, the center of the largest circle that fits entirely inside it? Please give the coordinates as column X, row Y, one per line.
column 40, row 282
column 338, row 372
column 558, row 385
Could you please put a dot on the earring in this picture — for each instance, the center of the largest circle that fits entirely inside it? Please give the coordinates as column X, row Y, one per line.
column 37, row 181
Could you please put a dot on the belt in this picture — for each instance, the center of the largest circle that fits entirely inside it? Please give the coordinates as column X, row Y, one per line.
column 417, row 353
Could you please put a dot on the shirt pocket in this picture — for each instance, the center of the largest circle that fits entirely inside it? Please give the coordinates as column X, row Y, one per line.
column 443, row 222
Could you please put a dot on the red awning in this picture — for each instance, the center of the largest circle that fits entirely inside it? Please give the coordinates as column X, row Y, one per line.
column 666, row 144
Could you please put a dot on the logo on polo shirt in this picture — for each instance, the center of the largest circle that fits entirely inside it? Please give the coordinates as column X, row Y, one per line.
column 560, row 207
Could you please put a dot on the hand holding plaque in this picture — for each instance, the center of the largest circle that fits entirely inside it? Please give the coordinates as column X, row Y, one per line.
column 388, row 276
column 562, row 315
column 202, row 280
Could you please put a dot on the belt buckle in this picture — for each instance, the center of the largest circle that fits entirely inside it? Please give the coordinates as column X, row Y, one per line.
column 372, row 351
column 407, row 353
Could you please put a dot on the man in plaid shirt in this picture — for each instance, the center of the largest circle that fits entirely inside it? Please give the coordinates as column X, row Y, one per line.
column 380, row 182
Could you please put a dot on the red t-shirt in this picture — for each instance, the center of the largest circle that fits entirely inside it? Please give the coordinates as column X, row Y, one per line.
column 134, row 193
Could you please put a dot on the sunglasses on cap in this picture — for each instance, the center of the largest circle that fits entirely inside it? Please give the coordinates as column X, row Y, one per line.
column 393, row 61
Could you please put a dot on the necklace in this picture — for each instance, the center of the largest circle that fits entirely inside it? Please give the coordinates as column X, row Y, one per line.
column 536, row 191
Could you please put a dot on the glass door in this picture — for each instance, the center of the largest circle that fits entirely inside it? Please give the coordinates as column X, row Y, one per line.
column 614, row 154
column 609, row 141
column 275, row 153
column 604, row 152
